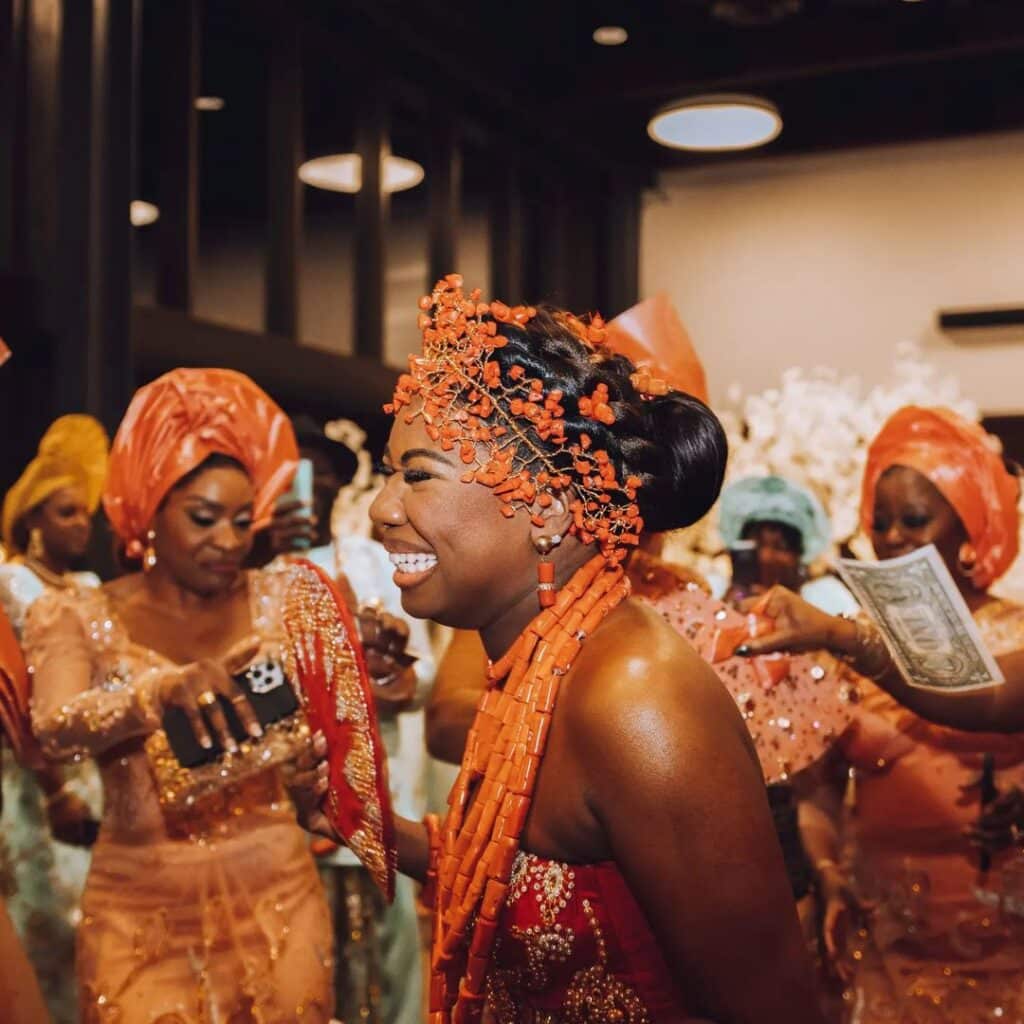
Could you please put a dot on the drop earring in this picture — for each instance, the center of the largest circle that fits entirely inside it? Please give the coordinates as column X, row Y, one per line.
column 967, row 557
column 36, row 547
column 546, row 589
column 149, row 555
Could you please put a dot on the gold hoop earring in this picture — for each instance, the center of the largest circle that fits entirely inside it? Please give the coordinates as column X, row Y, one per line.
column 149, row 555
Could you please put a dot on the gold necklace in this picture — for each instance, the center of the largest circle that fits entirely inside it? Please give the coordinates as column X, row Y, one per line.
column 47, row 575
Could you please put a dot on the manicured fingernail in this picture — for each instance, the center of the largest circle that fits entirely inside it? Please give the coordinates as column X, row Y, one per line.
column 232, row 747
column 743, row 651
column 321, row 783
column 320, row 743
column 255, row 730
column 206, row 743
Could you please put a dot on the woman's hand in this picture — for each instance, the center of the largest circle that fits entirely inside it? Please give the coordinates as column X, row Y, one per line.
column 195, row 688
column 306, row 779
column 70, row 819
column 796, row 626
column 1001, row 821
column 293, row 528
column 841, row 913
column 384, row 638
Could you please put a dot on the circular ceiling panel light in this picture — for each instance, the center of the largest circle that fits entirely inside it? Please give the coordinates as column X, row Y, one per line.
column 142, row 213
column 343, row 172
column 209, row 103
column 716, row 124
column 610, row 35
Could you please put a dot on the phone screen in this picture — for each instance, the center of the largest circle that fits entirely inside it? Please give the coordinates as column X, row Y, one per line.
column 301, row 490
column 746, row 571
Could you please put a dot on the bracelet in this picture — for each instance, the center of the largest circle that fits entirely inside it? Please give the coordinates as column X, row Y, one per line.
column 870, row 657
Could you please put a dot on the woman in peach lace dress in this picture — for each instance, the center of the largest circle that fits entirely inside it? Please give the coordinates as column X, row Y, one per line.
column 213, row 912
column 920, row 929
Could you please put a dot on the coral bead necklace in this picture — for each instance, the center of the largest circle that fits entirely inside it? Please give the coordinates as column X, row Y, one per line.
column 472, row 854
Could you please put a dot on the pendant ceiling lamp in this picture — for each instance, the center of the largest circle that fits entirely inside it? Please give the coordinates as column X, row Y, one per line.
column 716, row 123
column 343, row 172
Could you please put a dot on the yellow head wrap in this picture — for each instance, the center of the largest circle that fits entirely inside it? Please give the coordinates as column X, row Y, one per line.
column 73, row 452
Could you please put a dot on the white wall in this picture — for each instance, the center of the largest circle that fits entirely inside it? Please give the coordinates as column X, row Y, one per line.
column 834, row 259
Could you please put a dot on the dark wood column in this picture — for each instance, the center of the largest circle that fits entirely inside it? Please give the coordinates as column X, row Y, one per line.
column 179, row 166
column 620, row 273
column 372, row 205
column 286, row 150
column 116, row 34
column 13, row 228
column 506, row 236
column 444, row 184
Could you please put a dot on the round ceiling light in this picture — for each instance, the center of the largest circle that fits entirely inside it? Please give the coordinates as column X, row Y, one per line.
column 209, row 103
column 142, row 213
column 716, row 124
column 343, row 172
column 610, row 35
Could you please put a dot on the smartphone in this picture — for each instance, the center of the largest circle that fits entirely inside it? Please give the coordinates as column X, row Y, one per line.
column 746, row 570
column 268, row 691
column 301, row 490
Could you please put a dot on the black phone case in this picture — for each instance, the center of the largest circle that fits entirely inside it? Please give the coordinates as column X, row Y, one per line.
column 271, row 703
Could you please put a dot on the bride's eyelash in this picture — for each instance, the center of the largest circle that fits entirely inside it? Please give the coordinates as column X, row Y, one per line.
column 411, row 476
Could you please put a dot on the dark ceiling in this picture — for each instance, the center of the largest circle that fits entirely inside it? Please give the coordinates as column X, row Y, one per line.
column 527, row 75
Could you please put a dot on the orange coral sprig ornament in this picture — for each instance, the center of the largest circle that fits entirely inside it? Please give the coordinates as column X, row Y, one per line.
column 509, row 428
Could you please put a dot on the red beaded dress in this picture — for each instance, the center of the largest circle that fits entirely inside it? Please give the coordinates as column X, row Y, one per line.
column 573, row 946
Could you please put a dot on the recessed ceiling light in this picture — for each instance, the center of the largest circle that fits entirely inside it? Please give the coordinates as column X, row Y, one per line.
column 342, row 172
column 716, row 124
column 610, row 35
column 142, row 213
column 209, row 103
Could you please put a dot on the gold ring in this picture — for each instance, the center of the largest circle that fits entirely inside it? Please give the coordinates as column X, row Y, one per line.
column 206, row 699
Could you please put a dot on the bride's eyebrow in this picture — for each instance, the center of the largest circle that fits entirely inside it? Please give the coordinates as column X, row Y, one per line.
column 424, row 453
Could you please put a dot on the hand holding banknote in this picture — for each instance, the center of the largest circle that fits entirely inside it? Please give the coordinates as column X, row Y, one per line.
column 922, row 617
column 796, row 626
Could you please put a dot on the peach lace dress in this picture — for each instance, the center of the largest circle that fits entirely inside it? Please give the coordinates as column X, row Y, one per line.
column 217, row 916
column 941, row 944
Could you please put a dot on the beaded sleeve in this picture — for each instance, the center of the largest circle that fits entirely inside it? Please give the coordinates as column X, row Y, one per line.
column 74, row 712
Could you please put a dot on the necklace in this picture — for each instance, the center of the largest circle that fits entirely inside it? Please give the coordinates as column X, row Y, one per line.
column 47, row 575
column 472, row 853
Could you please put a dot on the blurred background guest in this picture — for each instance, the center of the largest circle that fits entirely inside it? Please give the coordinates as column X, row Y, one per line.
column 52, row 810
column 19, row 989
column 787, row 530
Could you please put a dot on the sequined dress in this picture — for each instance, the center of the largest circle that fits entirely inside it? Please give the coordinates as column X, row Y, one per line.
column 942, row 944
column 574, row 947
column 215, row 915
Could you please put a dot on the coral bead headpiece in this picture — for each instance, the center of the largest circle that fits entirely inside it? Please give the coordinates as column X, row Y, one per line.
column 509, row 428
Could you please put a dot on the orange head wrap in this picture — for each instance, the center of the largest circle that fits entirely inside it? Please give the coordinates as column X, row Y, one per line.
column 178, row 421
column 650, row 334
column 960, row 459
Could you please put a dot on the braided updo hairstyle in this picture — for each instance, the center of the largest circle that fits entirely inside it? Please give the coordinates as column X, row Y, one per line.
column 674, row 443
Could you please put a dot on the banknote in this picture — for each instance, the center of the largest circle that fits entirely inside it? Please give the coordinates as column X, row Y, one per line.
column 924, row 621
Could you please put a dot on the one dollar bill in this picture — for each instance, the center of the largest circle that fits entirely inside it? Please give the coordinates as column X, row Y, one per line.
column 924, row 621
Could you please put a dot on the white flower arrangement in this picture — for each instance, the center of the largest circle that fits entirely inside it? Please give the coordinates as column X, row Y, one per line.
column 814, row 428
column 350, row 514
